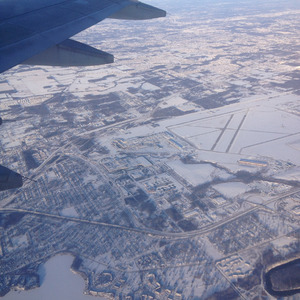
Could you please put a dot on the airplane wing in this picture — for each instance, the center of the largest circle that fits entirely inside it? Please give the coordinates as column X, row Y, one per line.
column 9, row 179
column 38, row 31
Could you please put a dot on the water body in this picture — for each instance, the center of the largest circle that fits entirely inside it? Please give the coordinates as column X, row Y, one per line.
column 284, row 280
column 59, row 283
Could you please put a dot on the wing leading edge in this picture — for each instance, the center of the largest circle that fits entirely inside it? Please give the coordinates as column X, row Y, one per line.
column 40, row 34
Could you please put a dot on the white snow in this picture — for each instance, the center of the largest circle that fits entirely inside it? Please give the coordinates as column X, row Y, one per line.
column 277, row 149
column 225, row 140
column 205, row 141
column 69, row 212
column 231, row 189
column 190, row 131
column 246, row 139
column 150, row 87
column 271, row 120
column 5, row 87
column 172, row 101
column 292, row 174
column 20, row 241
column 51, row 175
column 236, row 120
column 211, row 249
column 196, row 173
column 282, row 244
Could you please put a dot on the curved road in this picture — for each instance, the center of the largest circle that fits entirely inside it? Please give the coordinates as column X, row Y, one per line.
column 151, row 232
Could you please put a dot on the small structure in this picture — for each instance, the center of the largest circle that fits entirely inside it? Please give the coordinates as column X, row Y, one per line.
column 252, row 162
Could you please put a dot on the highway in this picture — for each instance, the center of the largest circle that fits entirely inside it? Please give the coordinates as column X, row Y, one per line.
column 155, row 233
column 61, row 150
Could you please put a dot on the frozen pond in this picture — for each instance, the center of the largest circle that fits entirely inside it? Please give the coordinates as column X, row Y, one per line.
column 59, row 283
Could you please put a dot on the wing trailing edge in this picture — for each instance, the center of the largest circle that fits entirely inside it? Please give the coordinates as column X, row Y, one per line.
column 138, row 11
column 71, row 53
column 29, row 28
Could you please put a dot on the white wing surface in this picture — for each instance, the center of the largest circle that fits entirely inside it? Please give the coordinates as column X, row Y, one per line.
column 37, row 31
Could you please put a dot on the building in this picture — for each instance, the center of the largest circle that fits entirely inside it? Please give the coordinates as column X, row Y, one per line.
column 252, row 162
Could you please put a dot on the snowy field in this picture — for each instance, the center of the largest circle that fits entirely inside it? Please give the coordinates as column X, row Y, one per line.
column 265, row 127
column 231, row 189
column 197, row 174
column 292, row 174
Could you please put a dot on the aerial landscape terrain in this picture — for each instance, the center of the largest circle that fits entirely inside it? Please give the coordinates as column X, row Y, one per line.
column 173, row 173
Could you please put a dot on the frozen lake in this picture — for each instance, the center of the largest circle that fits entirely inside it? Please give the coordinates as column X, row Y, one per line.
column 59, row 283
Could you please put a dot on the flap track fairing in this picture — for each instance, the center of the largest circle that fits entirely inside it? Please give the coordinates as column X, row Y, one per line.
column 71, row 53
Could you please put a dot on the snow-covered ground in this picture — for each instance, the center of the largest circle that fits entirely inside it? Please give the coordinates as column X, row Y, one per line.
column 197, row 173
column 292, row 174
column 69, row 212
column 231, row 189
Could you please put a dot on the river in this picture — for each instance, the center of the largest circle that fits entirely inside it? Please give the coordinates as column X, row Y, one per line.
column 285, row 278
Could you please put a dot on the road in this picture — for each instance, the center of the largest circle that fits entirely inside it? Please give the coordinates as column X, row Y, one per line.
column 156, row 233
column 61, row 149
